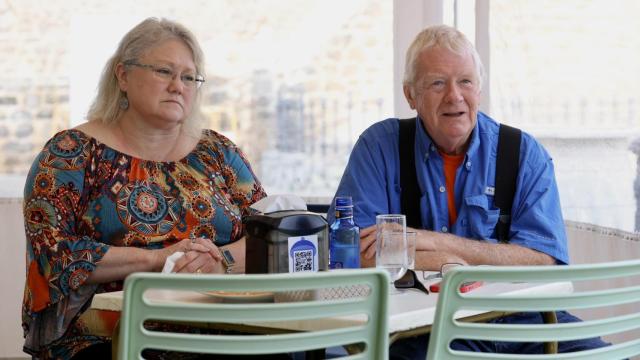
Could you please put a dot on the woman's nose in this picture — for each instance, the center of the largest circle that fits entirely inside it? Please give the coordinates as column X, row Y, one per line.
column 176, row 84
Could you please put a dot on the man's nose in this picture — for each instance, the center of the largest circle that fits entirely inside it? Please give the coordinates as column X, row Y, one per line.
column 453, row 95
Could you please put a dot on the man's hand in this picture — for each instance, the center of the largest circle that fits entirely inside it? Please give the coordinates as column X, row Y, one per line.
column 368, row 243
column 424, row 241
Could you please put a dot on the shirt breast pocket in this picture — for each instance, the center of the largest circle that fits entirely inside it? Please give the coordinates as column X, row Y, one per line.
column 480, row 219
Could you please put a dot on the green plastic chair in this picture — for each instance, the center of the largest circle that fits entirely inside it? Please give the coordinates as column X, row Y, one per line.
column 445, row 328
column 373, row 333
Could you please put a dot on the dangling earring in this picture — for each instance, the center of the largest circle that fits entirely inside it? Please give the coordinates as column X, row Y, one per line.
column 124, row 102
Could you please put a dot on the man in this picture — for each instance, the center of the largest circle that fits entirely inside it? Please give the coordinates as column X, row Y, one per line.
column 455, row 159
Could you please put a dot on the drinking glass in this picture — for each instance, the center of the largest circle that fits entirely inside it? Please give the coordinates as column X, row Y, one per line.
column 391, row 246
column 411, row 250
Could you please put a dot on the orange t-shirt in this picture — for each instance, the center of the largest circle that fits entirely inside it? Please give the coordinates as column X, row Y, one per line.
column 451, row 164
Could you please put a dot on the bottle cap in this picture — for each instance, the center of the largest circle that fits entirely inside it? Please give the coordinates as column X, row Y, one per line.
column 342, row 201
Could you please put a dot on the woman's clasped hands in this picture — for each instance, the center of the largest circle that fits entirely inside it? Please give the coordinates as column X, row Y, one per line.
column 200, row 256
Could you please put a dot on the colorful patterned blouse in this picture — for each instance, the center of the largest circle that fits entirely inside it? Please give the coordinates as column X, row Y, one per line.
column 82, row 197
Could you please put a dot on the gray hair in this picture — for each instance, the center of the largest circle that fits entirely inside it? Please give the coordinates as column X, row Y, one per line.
column 143, row 37
column 443, row 36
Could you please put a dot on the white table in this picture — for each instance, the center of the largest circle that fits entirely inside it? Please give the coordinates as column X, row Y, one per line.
column 415, row 311
column 411, row 311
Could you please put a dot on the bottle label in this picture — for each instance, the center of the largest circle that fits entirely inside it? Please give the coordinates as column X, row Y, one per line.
column 344, row 213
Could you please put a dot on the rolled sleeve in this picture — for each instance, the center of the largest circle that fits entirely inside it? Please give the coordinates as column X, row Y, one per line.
column 537, row 221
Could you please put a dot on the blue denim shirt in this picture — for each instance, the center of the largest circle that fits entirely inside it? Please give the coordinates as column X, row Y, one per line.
column 372, row 178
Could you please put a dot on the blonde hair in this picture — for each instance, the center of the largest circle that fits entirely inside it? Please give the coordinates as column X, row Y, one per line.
column 144, row 36
column 442, row 36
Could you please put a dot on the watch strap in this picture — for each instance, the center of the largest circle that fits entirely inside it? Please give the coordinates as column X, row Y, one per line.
column 227, row 260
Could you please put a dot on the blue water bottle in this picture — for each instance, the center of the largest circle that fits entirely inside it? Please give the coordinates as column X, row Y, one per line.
column 344, row 237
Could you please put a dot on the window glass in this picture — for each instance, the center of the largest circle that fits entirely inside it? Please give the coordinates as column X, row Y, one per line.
column 567, row 72
column 292, row 82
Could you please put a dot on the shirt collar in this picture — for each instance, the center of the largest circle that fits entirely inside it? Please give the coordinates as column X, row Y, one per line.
column 427, row 147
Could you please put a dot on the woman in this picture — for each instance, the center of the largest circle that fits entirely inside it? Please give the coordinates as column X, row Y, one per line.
column 136, row 183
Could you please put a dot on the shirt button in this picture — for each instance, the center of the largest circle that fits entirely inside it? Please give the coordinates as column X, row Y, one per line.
column 444, row 229
column 468, row 165
column 442, row 189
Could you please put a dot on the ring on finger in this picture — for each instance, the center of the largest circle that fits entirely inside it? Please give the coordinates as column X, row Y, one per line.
column 199, row 271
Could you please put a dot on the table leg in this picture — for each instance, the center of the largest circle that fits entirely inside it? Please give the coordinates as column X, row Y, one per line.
column 115, row 337
column 550, row 347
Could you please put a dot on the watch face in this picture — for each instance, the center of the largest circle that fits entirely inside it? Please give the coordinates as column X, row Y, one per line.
column 228, row 258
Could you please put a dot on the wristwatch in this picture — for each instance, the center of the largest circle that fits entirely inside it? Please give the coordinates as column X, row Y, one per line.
column 227, row 260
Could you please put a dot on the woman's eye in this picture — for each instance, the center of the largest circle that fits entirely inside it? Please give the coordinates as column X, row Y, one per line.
column 189, row 78
column 164, row 71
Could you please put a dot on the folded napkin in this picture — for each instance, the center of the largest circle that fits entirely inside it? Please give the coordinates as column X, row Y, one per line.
column 275, row 203
column 171, row 261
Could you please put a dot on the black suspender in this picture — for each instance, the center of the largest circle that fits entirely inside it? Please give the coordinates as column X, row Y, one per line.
column 410, row 192
column 507, row 167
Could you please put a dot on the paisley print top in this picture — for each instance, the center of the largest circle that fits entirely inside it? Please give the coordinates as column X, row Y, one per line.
column 82, row 197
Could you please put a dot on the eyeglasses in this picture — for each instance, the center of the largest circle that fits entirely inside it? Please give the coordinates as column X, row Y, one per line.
column 444, row 268
column 191, row 81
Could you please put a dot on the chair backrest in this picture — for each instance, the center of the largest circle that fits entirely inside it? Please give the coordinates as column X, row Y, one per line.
column 365, row 314
column 446, row 328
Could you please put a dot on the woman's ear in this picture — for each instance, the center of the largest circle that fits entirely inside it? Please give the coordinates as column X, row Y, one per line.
column 408, row 94
column 121, row 75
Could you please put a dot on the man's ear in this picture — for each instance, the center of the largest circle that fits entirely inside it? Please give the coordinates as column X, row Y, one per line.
column 121, row 75
column 408, row 94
